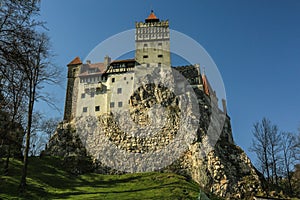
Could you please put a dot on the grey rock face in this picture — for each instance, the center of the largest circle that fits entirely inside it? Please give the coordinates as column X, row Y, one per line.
column 158, row 133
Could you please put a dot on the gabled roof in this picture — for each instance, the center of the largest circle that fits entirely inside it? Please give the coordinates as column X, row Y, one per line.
column 76, row 61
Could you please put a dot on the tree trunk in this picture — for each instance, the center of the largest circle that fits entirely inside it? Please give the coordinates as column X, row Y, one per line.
column 22, row 186
column 7, row 161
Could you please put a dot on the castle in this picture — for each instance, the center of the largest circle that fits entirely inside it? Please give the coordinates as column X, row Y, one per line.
column 91, row 88
column 96, row 90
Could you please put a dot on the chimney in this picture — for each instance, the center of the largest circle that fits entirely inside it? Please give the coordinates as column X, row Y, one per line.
column 107, row 61
column 224, row 106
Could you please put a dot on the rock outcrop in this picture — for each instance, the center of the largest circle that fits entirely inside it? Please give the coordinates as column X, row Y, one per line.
column 208, row 157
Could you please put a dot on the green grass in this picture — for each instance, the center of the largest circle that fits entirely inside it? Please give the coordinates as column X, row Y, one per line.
column 48, row 180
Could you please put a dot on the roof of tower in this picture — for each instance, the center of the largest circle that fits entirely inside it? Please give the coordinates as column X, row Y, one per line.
column 152, row 17
column 76, row 61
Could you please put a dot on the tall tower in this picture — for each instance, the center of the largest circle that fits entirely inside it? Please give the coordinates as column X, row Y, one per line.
column 72, row 89
column 152, row 42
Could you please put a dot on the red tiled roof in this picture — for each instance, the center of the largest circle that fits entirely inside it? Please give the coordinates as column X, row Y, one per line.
column 99, row 69
column 152, row 15
column 205, row 85
column 76, row 61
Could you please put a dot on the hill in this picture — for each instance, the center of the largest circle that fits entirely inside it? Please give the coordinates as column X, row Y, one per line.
column 47, row 179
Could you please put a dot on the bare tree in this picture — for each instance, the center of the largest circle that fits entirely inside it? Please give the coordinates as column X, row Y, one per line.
column 49, row 126
column 274, row 151
column 260, row 145
column 38, row 70
column 15, row 19
column 288, row 144
column 41, row 132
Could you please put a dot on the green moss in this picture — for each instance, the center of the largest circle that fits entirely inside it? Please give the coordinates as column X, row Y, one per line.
column 47, row 179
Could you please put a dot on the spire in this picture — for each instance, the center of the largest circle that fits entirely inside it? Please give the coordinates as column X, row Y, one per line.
column 152, row 18
column 76, row 61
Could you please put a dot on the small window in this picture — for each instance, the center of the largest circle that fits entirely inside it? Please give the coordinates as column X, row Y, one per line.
column 83, row 95
column 120, row 104
column 97, row 108
column 92, row 94
column 145, row 56
column 159, row 56
column 159, row 64
column 74, row 70
column 125, row 78
column 160, row 44
column 112, row 104
column 148, row 65
column 145, row 45
column 131, row 78
column 84, row 109
column 113, row 80
column 119, row 91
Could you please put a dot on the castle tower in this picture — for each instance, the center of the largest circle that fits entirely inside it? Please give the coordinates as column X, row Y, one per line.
column 152, row 41
column 72, row 89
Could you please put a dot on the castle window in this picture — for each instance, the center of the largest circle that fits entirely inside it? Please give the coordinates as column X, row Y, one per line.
column 112, row 104
column 97, row 108
column 125, row 78
column 84, row 109
column 159, row 56
column 120, row 104
column 82, row 95
column 74, row 70
column 113, row 80
column 145, row 45
column 131, row 78
column 159, row 64
column 145, row 56
column 119, row 91
column 92, row 94
column 160, row 44
column 148, row 65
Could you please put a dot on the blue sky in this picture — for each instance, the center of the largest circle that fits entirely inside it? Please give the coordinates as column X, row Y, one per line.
column 254, row 43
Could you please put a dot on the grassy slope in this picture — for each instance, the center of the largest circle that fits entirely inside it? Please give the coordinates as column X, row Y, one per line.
column 48, row 180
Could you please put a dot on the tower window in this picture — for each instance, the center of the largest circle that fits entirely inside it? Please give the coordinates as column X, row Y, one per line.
column 97, row 108
column 159, row 56
column 112, row 104
column 125, row 78
column 113, row 80
column 84, row 109
column 92, row 94
column 119, row 91
column 145, row 56
column 82, row 95
column 120, row 104
column 145, row 45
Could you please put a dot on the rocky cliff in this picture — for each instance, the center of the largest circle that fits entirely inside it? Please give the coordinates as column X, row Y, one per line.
column 162, row 131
